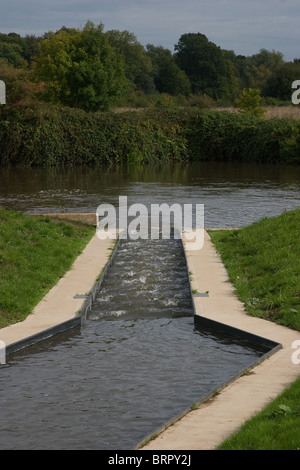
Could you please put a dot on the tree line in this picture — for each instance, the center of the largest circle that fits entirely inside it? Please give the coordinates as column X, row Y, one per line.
column 93, row 69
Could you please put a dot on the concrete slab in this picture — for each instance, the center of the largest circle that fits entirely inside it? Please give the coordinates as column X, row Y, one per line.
column 60, row 304
column 215, row 420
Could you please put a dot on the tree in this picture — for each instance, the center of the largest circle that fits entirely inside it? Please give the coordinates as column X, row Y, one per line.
column 16, row 49
column 138, row 65
column 253, row 71
column 11, row 49
column 80, row 68
column 168, row 77
column 269, row 59
column 250, row 102
column 204, row 64
column 20, row 87
column 30, row 46
column 263, row 65
column 280, row 81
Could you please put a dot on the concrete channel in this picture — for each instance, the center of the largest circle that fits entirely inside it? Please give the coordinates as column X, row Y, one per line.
column 62, row 307
column 222, row 414
column 216, row 307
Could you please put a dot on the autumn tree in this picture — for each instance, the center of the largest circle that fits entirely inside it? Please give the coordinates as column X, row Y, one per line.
column 253, row 71
column 80, row 68
column 11, row 49
column 20, row 86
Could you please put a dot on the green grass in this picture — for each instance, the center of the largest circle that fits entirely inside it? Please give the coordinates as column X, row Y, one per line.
column 262, row 261
column 35, row 252
column 277, row 427
column 263, row 264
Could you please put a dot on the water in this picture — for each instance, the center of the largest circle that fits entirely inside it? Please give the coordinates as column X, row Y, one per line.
column 233, row 194
column 111, row 384
column 138, row 360
column 151, row 282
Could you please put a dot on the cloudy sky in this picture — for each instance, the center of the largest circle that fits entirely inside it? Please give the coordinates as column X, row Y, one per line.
column 244, row 26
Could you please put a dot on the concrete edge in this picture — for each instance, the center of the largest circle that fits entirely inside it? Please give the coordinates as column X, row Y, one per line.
column 205, row 399
column 78, row 315
column 64, row 326
column 206, row 426
column 42, row 336
column 271, row 348
column 97, row 286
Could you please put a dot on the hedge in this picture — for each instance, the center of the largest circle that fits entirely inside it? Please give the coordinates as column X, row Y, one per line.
column 43, row 135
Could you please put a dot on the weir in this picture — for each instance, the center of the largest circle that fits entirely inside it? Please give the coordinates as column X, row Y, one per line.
column 145, row 279
column 140, row 360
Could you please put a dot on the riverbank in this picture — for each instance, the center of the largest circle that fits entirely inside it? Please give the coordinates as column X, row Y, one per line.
column 209, row 424
column 261, row 400
column 262, row 261
column 46, row 240
column 48, row 135
column 35, row 253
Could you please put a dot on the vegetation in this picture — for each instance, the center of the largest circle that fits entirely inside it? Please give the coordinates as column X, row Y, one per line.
column 278, row 84
column 262, row 261
column 20, row 86
column 63, row 88
column 80, row 68
column 45, row 135
column 93, row 69
column 274, row 428
column 250, row 102
column 35, row 252
column 205, row 65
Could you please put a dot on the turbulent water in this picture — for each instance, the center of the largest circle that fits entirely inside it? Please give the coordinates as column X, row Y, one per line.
column 136, row 362
column 147, row 279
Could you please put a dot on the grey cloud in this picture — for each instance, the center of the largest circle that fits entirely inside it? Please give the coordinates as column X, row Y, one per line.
column 241, row 25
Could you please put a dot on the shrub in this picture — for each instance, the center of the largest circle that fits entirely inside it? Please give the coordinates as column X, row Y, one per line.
column 44, row 135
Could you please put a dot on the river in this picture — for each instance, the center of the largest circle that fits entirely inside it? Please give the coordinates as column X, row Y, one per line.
column 233, row 195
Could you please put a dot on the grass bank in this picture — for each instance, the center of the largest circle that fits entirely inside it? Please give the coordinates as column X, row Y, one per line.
column 262, row 261
column 35, row 252
column 277, row 427
column 47, row 135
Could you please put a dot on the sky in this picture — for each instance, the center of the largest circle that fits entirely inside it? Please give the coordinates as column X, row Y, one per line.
column 244, row 26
